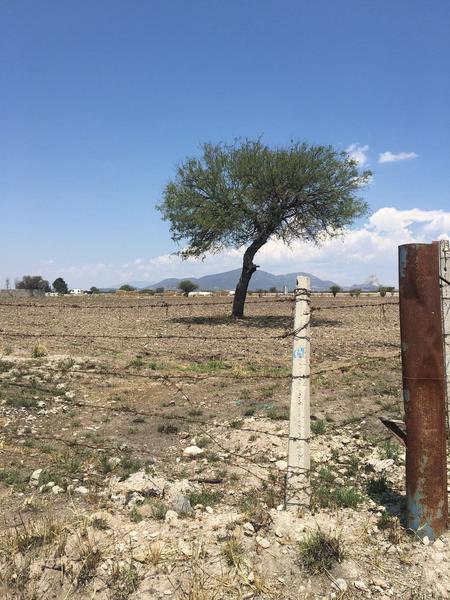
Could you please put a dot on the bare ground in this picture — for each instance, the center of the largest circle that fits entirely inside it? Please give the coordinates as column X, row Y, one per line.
column 99, row 391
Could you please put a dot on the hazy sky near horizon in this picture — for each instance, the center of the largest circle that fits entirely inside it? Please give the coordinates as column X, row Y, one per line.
column 100, row 99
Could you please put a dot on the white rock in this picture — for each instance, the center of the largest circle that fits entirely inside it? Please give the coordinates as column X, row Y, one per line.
column 81, row 490
column 171, row 518
column 139, row 482
column 263, row 542
column 425, row 540
column 438, row 544
column 360, row 585
column 380, row 465
column 281, row 465
column 248, row 529
column 340, row 584
column 209, row 510
column 70, row 395
column 192, row 451
column 34, row 479
column 56, row 489
column 114, row 461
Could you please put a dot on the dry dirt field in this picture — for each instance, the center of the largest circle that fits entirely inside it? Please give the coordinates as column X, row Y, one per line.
column 100, row 397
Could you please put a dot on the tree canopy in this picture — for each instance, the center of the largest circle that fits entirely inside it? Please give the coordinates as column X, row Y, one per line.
column 60, row 286
column 186, row 285
column 33, row 282
column 243, row 194
column 126, row 287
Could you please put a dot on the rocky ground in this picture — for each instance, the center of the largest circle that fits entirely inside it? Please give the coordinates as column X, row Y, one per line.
column 153, row 466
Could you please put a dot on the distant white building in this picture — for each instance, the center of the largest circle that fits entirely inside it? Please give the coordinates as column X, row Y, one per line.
column 77, row 292
column 191, row 294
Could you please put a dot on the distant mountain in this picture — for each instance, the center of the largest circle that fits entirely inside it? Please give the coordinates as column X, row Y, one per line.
column 261, row 280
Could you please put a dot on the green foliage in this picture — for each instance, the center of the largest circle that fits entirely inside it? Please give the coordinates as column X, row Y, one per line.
column 382, row 290
column 377, row 487
column 205, row 497
column 167, row 428
column 335, row 289
column 95, row 290
column 319, row 551
column 237, row 193
column 246, row 193
column 318, row 426
column 33, row 282
column 326, row 496
column 127, row 288
column 389, row 449
column 60, row 286
column 186, row 286
column 355, row 292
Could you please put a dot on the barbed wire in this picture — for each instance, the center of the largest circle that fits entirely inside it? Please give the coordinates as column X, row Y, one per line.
column 194, row 305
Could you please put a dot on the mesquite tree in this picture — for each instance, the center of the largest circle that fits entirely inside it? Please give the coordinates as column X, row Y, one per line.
column 243, row 194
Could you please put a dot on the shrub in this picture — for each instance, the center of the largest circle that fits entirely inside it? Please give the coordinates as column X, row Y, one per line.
column 319, row 551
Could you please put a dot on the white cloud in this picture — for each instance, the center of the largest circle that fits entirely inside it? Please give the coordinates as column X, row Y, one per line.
column 370, row 249
column 358, row 153
column 388, row 157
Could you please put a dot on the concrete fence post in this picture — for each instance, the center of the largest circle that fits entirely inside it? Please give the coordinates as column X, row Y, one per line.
column 423, row 388
column 298, row 494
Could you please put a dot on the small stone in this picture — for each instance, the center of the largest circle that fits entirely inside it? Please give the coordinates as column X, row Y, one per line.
column 114, row 461
column 340, row 584
column 248, row 529
column 263, row 542
column 209, row 510
column 171, row 518
column 56, row 489
column 281, row 465
column 81, row 490
column 182, row 505
column 34, row 479
column 438, row 544
column 192, row 451
column 426, row 540
column 360, row 585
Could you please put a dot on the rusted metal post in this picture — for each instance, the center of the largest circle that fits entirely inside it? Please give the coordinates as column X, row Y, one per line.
column 444, row 276
column 423, row 389
column 298, row 495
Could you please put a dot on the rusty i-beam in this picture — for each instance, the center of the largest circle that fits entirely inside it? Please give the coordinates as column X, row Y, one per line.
column 423, row 389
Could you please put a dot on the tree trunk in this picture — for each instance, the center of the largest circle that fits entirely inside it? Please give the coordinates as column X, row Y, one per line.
column 248, row 268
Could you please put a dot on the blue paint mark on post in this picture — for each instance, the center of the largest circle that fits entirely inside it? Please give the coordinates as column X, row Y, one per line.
column 299, row 353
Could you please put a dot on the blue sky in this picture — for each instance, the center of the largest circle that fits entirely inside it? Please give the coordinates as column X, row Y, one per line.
column 100, row 99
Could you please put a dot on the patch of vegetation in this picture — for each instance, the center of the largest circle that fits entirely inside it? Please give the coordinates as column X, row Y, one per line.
column 5, row 366
column 319, row 551
column 210, row 366
column 234, row 552
column 167, row 428
column 11, row 477
column 139, row 419
column 390, row 449
column 318, row 426
column 249, row 412
column 129, row 465
column 377, row 487
column 135, row 515
column 39, row 351
column 326, row 496
column 123, row 581
column 48, row 476
column 277, row 415
column 352, row 465
column 159, row 510
column 326, row 475
column 22, row 402
column 34, row 535
column 195, row 412
column 91, row 557
column 205, row 497
column 136, row 362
